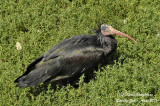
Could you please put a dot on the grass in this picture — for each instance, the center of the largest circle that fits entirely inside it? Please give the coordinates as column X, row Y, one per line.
column 39, row 25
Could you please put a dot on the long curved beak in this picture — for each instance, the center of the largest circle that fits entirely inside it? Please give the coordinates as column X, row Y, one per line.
column 116, row 32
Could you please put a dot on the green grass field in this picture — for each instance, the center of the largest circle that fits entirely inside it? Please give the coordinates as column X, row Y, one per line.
column 133, row 78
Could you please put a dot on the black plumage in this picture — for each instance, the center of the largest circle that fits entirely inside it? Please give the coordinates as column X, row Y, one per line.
column 69, row 58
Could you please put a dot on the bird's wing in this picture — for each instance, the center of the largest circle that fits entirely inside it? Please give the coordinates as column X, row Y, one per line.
column 64, row 45
column 80, row 60
column 63, row 60
column 50, row 54
column 79, row 55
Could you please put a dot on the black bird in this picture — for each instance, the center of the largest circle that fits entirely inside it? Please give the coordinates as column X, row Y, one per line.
column 71, row 57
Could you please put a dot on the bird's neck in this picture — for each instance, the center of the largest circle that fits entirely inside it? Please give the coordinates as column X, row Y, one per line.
column 108, row 43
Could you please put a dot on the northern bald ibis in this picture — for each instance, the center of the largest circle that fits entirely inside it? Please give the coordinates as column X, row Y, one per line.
column 71, row 57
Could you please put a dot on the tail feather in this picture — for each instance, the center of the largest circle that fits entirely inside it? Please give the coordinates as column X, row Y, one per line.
column 35, row 77
column 34, row 83
column 38, row 81
column 30, row 68
column 21, row 84
column 39, row 75
column 35, row 74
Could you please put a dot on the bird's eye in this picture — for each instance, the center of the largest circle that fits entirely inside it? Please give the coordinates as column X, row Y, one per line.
column 104, row 27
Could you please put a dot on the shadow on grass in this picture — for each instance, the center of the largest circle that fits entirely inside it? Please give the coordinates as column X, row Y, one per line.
column 74, row 80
